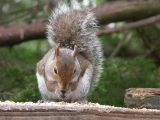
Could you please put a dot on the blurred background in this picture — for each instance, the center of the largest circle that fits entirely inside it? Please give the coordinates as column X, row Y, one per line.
column 129, row 31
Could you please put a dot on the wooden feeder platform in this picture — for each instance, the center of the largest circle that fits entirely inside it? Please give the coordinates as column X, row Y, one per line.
column 72, row 111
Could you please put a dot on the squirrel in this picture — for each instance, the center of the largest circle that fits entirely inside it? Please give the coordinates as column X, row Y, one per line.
column 72, row 67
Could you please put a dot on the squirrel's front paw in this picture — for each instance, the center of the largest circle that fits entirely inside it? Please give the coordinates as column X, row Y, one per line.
column 40, row 101
column 43, row 101
column 83, row 101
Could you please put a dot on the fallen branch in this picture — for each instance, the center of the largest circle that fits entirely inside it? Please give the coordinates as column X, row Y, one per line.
column 133, row 25
column 110, row 12
column 22, row 32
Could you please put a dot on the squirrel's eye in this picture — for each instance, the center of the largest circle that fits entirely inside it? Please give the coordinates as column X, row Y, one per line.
column 74, row 71
column 55, row 71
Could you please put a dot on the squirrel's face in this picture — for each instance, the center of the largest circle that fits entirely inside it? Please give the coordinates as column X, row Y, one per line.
column 65, row 72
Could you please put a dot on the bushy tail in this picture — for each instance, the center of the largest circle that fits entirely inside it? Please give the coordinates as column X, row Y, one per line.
column 71, row 26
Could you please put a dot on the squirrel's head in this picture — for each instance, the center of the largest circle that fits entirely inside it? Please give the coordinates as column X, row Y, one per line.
column 65, row 71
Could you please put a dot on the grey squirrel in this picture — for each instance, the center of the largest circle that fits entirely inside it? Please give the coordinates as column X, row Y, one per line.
column 70, row 70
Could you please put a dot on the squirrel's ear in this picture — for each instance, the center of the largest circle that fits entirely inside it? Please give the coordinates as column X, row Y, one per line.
column 75, row 51
column 57, row 51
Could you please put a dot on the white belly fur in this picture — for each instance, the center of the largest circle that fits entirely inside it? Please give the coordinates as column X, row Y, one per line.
column 46, row 95
column 81, row 91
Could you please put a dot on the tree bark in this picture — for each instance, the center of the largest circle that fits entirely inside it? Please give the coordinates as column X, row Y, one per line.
column 109, row 12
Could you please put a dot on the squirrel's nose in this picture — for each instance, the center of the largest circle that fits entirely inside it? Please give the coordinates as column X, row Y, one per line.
column 63, row 93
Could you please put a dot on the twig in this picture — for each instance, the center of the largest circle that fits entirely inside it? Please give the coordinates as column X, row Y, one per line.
column 133, row 25
column 121, row 43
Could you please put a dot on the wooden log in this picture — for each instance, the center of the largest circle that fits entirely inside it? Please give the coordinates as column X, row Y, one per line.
column 143, row 98
column 72, row 111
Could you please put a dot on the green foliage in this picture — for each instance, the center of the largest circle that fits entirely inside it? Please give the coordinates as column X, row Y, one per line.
column 99, row 1
column 18, row 64
column 14, row 11
column 130, row 47
column 29, row 92
column 120, row 74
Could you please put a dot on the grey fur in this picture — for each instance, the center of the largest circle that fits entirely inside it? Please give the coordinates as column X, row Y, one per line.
column 69, row 27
